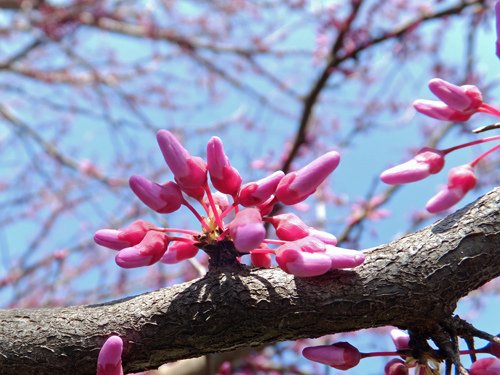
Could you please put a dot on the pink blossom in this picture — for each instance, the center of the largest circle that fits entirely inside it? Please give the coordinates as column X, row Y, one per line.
column 440, row 111
column 427, row 161
column 466, row 99
column 400, row 339
column 303, row 258
column 225, row 178
column 341, row 355
column 178, row 251
column 148, row 251
column 344, row 258
column 256, row 193
column 190, row 172
column 163, row 199
column 461, row 179
column 297, row 186
column 247, row 230
column 396, row 366
column 289, row 227
column 486, row 366
column 125, row 237
column 261, row 260
column 109, row 361
column 323, row 236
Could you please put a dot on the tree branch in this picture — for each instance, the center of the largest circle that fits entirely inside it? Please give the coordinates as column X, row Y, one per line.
column 414, row 282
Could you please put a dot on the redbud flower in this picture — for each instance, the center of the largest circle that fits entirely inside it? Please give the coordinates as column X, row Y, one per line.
column 396, row 366
column 261, row 260
column 109, row 361
column 289, row 227
column 164, row 198
column 225, row 178
column 344, row 258
column 256, row 193
column 485, row 366
column 247, row 230
column 461, row 179
column 220, row 200
column 440, row 111
column 427, row 161
column 148, row 251
column 323, row 236
column 178, row 251
column 125, row 237
column 190, row 172
column 341, row 355
column 297, row 186
column 401, row 339
column 466, row 99
column 303, row 258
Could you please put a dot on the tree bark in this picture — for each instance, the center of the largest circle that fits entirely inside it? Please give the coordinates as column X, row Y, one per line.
column 413, row 282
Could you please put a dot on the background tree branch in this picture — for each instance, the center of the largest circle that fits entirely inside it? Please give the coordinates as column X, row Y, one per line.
column 413, row 282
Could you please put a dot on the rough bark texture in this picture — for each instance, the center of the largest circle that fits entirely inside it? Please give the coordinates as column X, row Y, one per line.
column 413, row 282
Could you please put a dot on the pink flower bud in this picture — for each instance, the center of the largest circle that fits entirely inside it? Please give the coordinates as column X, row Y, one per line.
column 344, row 258
column 109, row 361
column 341, row 355
column 190, row 172
column 396, row 366
column 461, row 179
column 125, row 237
column 427, row 161
column 148, row 251
column 247, row 230
column 303, row 258
column 164, row 198
column 225, row 178
column 261, row 260
column 289, row 227
column 297, row 186
column 178, row 251
column 485, row 366
column 324, row 237
column 400, row 339
column 256, row 193
column 440, row 111
column 465, row 99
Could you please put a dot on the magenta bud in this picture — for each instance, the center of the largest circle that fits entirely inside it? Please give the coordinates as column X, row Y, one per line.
column 125, row 237
column 396, row 366
column 164, row 198
column 485, row 366
column 289, row 227
column 324, row 237
column 400, row 339
column 344, row 258
column 440, row 111
column 461, row 179
column 261, row 260
column 341, row 355
column 178, row 251
column 225, row 178
column 427, row 161
column 109, row 361
column 256, row 193
column 110, row 238
column 297, row 186
column 148, row 251
column 460, row 98
column 303, row 258
column 247, row 230
column 190, row 172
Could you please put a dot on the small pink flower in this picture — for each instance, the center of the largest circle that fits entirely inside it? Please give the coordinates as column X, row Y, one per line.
column 396, row 366
column 225, row 178
column 125, row 237
column 220, row 200
column 163, row 199
column 148, row 251
column 485, row 366
column 297, row 186
column 178, row 251
column 256, row 193
column 247, row 230
column 289, row 227
column 440, row 111
column 303, row 258
column 109, row 361
column 427, row 161
column 261, row 260
column 323, row 236
column 400, row 339
column 461, row 179
column 190, row 172
column 466, row 99
column 341, row 355
column 344, row 258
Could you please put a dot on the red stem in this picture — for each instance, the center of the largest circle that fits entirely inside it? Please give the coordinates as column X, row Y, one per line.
column 474, row 162
column 476, row 142
column 198, row 216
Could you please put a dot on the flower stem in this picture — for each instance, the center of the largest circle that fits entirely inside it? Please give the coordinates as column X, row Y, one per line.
column 486, row 108
column 214, row 207
column 474, row 162
column 195, row 213
column 476, row 142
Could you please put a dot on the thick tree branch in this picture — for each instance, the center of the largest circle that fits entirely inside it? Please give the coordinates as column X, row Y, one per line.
column 414, row 282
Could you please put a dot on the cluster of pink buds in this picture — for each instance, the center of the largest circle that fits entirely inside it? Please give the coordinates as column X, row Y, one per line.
column 109, row 361
column 458, row 103
column 299, row 250
column 344, row 356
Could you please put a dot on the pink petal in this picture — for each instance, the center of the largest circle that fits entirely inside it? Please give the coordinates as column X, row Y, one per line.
column 256, row 193
column 454, row 96
column 341, row 355
column 247, row 230
column 225, row 178
column 110, row 238
column 400, row 339
column 109, row 361
column 439, row 111
column 486, row 366
column 164, row 198
column 178, row 251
